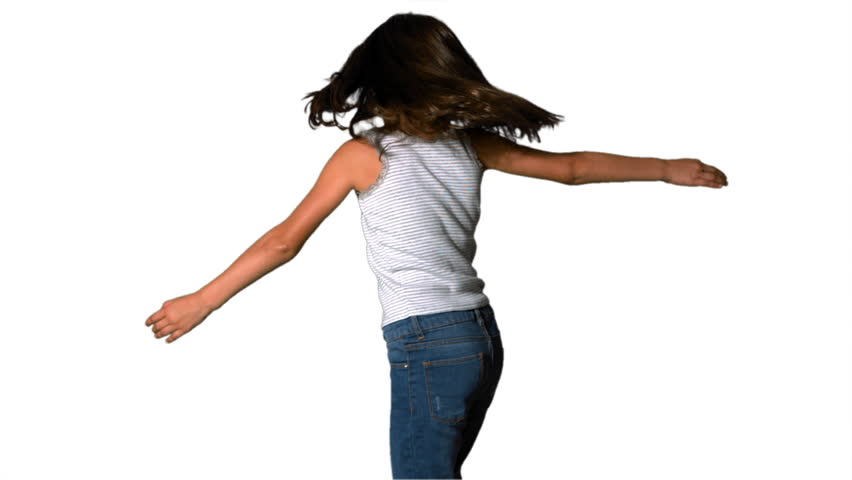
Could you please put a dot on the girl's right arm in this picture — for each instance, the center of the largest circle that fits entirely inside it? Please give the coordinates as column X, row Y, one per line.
column 577, row 168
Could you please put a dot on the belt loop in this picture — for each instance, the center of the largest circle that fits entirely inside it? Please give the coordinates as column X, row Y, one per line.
column 416, row 327
column 480, row 319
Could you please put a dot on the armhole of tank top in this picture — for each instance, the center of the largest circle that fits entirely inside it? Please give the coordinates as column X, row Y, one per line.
column 374, row 139
column 468, row 144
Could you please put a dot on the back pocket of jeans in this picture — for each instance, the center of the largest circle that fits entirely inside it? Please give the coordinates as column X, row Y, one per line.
column 451, row 385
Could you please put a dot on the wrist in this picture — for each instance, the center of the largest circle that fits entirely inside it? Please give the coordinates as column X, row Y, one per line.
column 664, row 170
column 208, row 301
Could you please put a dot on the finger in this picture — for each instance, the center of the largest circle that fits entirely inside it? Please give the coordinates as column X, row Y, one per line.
column 713, row 178
column 162, row 332
column 708, row 183
column 719, row 173
column 158, row 315
column 161, row 324
column 708, row 176
column 164, row 323
column 174, row 337
column 719, row 176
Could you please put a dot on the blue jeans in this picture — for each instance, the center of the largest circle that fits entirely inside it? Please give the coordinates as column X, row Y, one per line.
column 444, row 369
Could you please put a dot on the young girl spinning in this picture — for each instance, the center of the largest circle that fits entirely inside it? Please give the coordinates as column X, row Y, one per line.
column 417, row 179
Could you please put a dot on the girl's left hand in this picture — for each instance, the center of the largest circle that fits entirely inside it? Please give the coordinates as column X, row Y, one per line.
column 178, row 316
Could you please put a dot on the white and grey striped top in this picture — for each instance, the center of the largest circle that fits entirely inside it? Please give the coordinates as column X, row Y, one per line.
column 419, row 219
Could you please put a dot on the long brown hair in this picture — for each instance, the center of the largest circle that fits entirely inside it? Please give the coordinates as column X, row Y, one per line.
column 413, row 72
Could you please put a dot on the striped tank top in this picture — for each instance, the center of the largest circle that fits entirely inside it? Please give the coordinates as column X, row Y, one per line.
column 419, row 219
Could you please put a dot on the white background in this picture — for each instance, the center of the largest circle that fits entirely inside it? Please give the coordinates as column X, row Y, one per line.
column 651, row 331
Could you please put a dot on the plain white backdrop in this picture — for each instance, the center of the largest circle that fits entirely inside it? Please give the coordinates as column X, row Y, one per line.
column 651, row 331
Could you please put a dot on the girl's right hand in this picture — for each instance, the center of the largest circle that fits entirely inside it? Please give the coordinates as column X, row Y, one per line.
column 178, row 316
column 692, row 172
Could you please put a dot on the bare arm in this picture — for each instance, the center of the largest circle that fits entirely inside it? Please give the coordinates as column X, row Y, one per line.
column 274, row 248
column 592, row 167
column 284, row 241
column 577, row 168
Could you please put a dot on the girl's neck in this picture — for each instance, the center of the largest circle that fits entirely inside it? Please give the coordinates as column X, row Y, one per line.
column 435, row 137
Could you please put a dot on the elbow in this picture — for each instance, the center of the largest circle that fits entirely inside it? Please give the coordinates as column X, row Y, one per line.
column 574, row 170
column 283, row 248
column 571, row 179
column 289, row 251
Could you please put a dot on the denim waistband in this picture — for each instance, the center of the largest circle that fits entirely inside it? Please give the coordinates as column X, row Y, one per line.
column 419, row 323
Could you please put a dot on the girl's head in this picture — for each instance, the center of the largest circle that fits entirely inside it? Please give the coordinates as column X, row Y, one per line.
column 413, row 72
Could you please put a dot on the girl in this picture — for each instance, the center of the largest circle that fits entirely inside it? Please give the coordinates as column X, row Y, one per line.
column 417, row 180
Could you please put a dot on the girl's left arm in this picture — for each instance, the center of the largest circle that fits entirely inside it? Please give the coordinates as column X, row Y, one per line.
column 284, row 241
column 275, row 248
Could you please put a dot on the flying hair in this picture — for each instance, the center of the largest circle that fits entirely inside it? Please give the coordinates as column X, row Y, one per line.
column 413, row 73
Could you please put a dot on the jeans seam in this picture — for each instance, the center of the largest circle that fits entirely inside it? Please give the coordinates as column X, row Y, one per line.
column 410, row 381
column 445, row 341
column 429, row 328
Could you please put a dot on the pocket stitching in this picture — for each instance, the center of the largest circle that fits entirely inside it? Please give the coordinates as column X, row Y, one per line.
column 448, row 361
